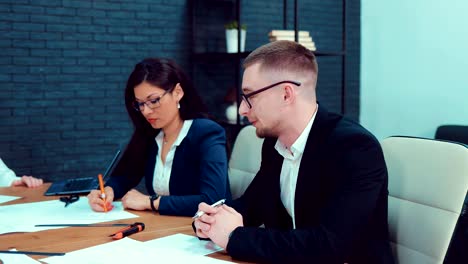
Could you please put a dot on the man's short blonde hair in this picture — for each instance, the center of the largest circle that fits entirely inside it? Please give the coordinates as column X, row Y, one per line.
column 283, row 55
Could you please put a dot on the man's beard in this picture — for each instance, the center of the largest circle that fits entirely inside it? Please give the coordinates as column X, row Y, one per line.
column 266, row 132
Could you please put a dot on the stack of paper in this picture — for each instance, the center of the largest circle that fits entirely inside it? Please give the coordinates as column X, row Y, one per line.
column 304, row 37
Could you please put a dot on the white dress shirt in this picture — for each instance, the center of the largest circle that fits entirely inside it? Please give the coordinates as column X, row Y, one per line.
column 290, row 169
column 7, row 176
column 162, row 171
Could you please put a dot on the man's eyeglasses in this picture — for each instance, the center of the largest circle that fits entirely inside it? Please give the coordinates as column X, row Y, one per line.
column 247, row 96
column 151, row 103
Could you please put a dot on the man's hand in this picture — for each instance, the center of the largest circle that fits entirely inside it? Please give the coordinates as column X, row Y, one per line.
column 226, row 220
column 28, row 181
column 217, row 223
column 203, row 223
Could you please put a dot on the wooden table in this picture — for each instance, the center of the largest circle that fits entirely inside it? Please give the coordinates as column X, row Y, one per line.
column 75, row 238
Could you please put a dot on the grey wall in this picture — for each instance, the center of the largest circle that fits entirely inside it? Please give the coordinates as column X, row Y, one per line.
column 414, row 67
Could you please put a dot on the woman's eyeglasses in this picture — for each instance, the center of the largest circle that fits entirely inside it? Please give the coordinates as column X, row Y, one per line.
column 150, row 103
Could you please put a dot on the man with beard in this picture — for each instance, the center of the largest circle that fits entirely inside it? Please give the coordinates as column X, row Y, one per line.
column 321, row 191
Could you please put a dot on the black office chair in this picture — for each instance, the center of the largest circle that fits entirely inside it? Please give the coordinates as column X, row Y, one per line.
column 455, row 133
column 457, row 250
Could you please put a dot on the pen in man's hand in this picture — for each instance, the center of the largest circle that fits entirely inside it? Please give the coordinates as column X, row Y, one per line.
column 218, row 203
column 103, row 194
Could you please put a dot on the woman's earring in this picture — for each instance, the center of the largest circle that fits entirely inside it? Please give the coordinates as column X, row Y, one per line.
column 178, row 105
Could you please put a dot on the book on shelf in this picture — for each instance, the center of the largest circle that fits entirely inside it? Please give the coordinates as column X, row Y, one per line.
column 304, row 37
column 309, row 46
column 287, row 33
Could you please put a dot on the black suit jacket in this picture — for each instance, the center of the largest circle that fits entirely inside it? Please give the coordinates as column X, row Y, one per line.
column 340, row 201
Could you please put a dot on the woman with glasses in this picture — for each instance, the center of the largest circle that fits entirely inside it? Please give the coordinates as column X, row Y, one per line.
column 180, row 153
column 9, row 178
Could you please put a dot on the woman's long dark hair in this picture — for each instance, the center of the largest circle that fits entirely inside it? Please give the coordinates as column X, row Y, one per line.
column 164, row 74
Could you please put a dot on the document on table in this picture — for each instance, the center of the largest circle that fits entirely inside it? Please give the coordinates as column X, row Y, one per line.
column 17, row 258
column 186, row 243
column 6, row 198
column 127, row 250
column 24, row 217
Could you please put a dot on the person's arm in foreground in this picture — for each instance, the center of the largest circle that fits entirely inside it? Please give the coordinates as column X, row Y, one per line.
column 9, row 178
column 28, row 181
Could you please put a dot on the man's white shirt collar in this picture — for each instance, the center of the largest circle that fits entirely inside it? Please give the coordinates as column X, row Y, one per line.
column 297, row 148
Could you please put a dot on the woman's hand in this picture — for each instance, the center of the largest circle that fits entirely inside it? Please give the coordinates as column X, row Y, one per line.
column 97, row 203
column 136, row 200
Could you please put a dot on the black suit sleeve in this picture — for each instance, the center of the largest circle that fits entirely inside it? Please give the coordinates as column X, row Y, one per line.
column 357, row 164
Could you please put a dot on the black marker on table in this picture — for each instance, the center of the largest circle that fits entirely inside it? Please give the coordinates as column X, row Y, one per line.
column 132, row 229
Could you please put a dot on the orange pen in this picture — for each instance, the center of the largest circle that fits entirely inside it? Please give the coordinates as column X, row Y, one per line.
column 103, row 194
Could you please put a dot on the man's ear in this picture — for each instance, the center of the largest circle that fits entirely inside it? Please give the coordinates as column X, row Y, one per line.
column 178, row 92
column 289, row 94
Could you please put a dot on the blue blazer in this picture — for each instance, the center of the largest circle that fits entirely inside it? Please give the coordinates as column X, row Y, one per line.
column 199, row 170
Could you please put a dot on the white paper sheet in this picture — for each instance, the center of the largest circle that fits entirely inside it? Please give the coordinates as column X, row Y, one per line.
column 128, row 250
column 119, row 251
column 16, row 258
column 19, row 216
column 6, row 198
column 186, row 243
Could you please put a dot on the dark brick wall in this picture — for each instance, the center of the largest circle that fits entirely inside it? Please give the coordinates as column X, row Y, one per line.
column 63, row 69
column 353, row 58
column 64, row 64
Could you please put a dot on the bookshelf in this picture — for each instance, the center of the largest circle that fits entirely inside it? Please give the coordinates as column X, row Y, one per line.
column 213, row 51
